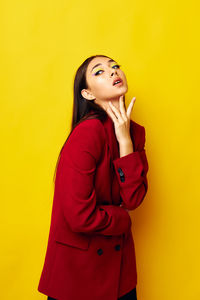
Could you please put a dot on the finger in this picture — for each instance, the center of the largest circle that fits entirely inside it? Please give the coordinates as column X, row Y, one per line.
column 130, row 107
column 116, row 111
column 122, row 106
column 111, row 114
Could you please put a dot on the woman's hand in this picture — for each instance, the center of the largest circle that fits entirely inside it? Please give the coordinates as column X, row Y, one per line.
column 121, row 119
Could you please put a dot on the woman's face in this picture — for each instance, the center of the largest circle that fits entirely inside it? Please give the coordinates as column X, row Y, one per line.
column 100, row 75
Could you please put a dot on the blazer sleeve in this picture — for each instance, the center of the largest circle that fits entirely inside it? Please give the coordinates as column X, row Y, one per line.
column 131, row 172
column 75, row 184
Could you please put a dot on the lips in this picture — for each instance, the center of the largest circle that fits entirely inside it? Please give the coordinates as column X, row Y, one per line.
column 117, row 79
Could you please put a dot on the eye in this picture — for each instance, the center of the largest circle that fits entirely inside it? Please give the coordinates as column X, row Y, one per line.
column 97, row 73
column 118, row 66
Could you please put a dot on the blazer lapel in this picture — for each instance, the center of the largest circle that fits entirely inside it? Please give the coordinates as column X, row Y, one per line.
column 113, row 146
column 111, row 138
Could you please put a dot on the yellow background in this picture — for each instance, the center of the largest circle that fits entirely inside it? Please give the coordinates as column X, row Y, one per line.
column 42, row 45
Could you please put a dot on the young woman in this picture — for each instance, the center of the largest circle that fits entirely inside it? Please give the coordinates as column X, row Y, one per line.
column 100, row 176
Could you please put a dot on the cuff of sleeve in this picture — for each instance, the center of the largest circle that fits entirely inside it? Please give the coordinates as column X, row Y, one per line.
column 130, row 165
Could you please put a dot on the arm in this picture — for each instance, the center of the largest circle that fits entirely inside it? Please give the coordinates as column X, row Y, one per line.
column 131, row 172
column 75, row 181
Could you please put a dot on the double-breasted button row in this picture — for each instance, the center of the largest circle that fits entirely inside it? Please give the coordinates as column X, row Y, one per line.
column 100, row 250
column 121, row 174
column 117, row 247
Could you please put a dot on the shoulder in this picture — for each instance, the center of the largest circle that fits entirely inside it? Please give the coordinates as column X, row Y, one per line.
column 93, row 125
column 88, row 136
column 90, row 131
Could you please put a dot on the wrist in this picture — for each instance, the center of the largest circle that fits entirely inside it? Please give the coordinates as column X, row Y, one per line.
column 125, row 149
column 125, row 142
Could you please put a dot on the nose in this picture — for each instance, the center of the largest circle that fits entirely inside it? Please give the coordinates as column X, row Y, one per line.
column 113, row 72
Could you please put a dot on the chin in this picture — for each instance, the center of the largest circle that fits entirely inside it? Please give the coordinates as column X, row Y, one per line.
column 121, row 91
column 113, row 95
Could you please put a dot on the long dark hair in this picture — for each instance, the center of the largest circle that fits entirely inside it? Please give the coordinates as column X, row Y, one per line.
column 82, row 107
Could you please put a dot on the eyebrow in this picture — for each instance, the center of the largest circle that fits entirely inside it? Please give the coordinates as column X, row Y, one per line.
column 110, row 60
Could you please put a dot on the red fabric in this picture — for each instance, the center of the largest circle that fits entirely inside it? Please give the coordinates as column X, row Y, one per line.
column 90, row 253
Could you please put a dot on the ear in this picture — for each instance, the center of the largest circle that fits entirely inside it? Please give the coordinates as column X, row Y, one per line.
column 87, row 95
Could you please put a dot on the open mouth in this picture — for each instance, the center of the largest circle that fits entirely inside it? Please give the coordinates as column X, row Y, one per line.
column 118, row 81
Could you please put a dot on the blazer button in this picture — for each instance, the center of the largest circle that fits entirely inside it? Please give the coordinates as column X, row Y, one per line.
column 121, row 174
column 122, row 178
column 120, row 171
column 100, row 251
column 117, row 247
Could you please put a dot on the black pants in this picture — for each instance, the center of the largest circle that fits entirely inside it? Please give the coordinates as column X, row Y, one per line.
column 132, row 295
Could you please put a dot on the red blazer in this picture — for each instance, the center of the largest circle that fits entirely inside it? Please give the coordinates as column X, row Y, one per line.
column 90, row 253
